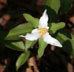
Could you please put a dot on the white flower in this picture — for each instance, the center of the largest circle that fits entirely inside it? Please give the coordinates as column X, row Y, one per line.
column 42, row 31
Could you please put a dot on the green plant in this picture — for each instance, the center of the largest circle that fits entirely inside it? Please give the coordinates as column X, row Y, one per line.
column 12, row 40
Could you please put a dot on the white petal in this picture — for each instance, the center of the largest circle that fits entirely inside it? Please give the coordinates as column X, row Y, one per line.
column 51, row 40
column 35, row 31
column 31, row 36
column 22, row 36
column 43, row 23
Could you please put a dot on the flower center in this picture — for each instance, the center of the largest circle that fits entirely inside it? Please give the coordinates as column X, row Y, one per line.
column 42, row 31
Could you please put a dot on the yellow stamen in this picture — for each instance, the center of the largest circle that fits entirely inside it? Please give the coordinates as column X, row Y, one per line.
column 42, row 31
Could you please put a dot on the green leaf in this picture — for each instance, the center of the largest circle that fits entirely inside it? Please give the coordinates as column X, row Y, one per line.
column 31, row 19
column 42, row 46
column 62, row 37
column 68, row 44
column 19, row 30
column 56, row 26
column 65, row 5
column 3, row 34
column 53, row 4
column 17, row 45
column 29, row 44
column 72, row 42
column 66, row 32
column 22, row 59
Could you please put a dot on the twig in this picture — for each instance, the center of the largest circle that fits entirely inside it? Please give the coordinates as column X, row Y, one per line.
column 70, row 67
column 32, row 63
column 52, row 47
column 29, row 70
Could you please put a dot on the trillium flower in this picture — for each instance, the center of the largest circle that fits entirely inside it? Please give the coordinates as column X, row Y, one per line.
column 42, row 31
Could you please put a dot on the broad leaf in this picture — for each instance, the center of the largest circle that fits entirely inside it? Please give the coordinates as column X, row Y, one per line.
column 22, row 59
column 62, row 37
column 42, row 46
column 19, row 30
column 72, row 42
column 68, row 44
column 66, row 32
column 56, row 26
column 65, row 5
column 53, row 4
column 29, row 44
column 15, row 45
column 3, row 34
column 32, row 20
